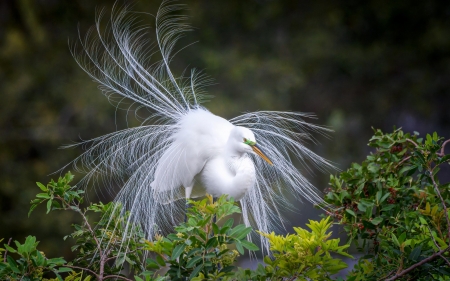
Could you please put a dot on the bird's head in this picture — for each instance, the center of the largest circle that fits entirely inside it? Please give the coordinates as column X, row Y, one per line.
column 242, row 140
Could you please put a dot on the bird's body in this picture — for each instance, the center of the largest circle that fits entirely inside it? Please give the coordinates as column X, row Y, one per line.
column 206, row 149
column 182, row 149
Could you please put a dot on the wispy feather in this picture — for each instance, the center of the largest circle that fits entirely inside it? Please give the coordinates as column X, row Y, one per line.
column 130, row 67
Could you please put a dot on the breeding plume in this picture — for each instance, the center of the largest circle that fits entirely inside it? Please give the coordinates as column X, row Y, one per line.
column 183, row 150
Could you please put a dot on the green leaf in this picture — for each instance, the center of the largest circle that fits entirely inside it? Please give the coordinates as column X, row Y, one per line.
column 388, row 207
column 361, row 207
column 56, row 261
column 229, row 223
column 212, row 242
column 407, row 168
column 241, row 233
column 160, row 260
column 250, row 246
column 177, row 251
column 350, row 212
column 239, row 247
column 12, row 263
column 384, row 197
column 64, row 269
column 43, row 196
column 415, row 253
column 42, row 187
column 377, row 220
column 215, row 228
column 153, row 264
column 378, row 196
column 395, row 240
column 192, row 262
column 196, row 271
column 49, row 206
column 9, row 249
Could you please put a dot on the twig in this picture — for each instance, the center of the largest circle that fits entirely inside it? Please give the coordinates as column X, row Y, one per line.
column 442, row 153
column 403, row 160
column 103, row 255
column 413, row 142
column 6, row 252
column 82, row 268
column 445, row 259
column 432, row 238
column 436, row 187
column 116, row 276
column 414, row 266
column 389, row 274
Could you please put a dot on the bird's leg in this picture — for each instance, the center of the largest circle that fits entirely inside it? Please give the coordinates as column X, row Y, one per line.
column 187, row 192
column 212, row 233
column 186, row 210
column 215, row 217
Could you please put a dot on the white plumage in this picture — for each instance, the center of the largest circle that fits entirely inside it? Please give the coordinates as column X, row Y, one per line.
column 182, row 149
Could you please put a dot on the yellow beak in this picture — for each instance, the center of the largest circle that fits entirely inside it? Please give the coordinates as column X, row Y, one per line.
column 261, row 154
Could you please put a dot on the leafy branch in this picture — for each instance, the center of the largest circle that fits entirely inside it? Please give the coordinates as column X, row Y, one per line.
column 394, row 208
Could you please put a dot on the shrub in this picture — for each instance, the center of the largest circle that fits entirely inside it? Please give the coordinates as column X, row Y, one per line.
column 394, row 208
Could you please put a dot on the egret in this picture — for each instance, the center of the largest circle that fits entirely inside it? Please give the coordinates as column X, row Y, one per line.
column 182, row 150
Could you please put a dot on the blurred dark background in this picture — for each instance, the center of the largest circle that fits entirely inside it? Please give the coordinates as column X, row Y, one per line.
column 355, row 64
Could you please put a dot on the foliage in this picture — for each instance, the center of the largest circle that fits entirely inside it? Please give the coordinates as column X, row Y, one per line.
column 301, row 256
column 31, row 265
column 395, row 208
column 202, row 247
column 102, row 250
column 205, row 247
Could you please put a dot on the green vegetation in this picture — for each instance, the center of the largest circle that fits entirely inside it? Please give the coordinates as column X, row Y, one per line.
column 393, row 206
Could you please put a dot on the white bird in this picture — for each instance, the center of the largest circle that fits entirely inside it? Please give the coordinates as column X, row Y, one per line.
column 182, row 150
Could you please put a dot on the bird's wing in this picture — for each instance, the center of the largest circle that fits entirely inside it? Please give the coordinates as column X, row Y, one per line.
column 201, row 135
column 178, row 166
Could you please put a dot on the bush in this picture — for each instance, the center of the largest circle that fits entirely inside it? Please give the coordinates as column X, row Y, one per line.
column 203, row 248
column 392, row 206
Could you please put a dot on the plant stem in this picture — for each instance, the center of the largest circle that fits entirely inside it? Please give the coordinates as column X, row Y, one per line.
column 85, row 269
column 436, row 187
column 442, row 153
column 414, row 266
column 6, row 252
